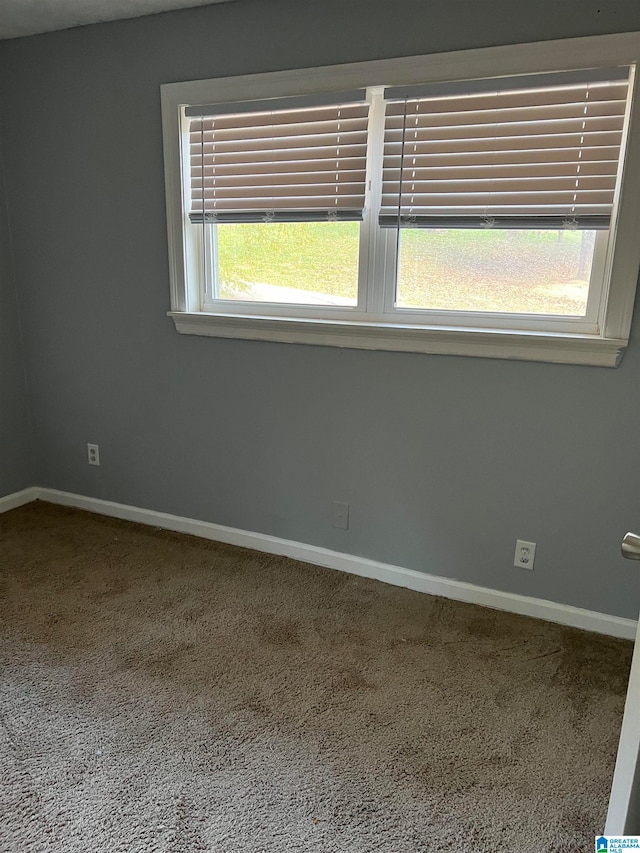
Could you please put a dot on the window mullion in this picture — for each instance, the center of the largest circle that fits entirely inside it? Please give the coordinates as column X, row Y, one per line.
column 386, row 247
column 373, row 242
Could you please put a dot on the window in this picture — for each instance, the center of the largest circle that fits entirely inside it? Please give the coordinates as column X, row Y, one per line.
column 500, row 192
column 278, row 189
column 479, row 203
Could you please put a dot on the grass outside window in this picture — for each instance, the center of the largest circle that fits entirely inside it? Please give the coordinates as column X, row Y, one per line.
column 494, row 270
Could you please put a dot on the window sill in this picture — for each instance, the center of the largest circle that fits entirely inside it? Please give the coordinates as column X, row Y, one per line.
column 484, row 343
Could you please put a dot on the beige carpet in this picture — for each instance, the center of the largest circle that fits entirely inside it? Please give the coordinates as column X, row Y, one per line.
column 164, row 694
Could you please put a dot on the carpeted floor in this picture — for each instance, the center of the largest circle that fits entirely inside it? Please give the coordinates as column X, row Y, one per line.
column 164, row 694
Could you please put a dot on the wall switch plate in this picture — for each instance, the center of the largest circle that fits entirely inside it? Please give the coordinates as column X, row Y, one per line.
column 525, row 554
column 340, row 515
column 93, row 454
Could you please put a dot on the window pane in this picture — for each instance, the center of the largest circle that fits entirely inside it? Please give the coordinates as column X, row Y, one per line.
column 311, row 263
column 529, row 272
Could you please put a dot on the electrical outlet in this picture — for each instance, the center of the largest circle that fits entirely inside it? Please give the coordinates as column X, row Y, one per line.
column 93, row 454
column 340, row 515
column 525, row 554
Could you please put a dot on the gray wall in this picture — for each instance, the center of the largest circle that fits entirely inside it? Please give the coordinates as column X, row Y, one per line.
column 445, row 461
column 16, row 460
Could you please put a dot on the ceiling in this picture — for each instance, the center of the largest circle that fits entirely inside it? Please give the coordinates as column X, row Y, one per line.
column 27, row 17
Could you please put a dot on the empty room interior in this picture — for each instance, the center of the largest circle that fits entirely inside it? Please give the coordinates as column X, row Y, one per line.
column 319, row 425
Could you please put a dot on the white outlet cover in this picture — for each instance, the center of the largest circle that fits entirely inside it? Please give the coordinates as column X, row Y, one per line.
column 525, row 554
column 340, row 515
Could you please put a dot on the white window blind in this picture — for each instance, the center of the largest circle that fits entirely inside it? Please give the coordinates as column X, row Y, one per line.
column 288, row 160
column 525, row 152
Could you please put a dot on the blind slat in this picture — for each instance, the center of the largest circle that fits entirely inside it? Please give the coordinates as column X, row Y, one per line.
column 247, row 158
column 500, row 186
column 272, row 123
column 553, row 101
column 289, row 191
column 285, row 179
column 293, row 201
column 498, row 199
column 281, row 167
column 524, row 171
column 281, row 149
column 537, row 129
column 540, row 158
column 503, row 113
column 282, row 137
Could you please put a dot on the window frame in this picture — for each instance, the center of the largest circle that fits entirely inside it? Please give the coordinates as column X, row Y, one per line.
column 539, row 338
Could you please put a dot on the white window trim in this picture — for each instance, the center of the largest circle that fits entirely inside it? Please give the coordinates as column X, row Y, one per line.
column 494, row 339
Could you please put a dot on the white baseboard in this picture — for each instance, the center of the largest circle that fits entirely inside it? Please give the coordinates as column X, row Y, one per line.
column 538, row 608
column 19, row 498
